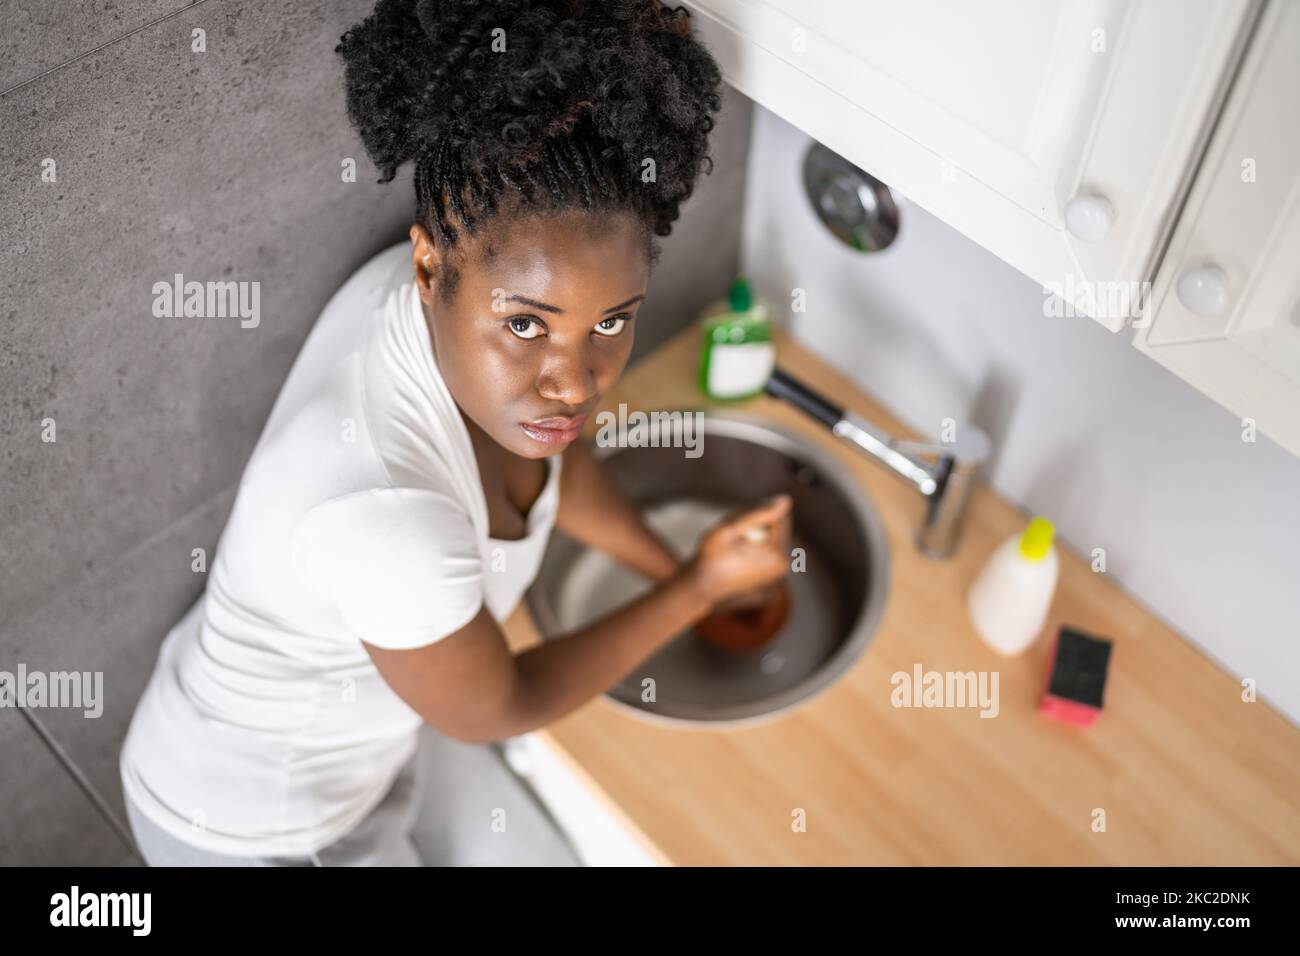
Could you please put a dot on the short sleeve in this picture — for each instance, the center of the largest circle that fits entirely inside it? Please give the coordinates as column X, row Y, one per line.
column 401, row 565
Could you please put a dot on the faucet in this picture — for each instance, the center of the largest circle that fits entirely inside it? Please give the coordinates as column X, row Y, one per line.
column 943, row 472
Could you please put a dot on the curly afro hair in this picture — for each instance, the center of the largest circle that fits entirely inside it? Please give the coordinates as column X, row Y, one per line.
column 533, row 106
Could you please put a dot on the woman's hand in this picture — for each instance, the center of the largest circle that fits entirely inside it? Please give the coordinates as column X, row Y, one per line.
column 745, row 553
column 748, row 600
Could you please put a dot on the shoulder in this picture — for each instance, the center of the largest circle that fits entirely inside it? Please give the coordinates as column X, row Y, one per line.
column 387, row 525
column 402, row 565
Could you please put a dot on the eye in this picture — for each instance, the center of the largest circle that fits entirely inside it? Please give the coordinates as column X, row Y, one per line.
column 527, row 322
column 611, row 330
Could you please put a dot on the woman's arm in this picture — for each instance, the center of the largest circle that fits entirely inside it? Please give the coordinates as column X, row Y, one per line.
column 469, row 686
column 594, row 511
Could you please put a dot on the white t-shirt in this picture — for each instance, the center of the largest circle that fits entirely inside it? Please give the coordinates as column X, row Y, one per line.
column 265, row 728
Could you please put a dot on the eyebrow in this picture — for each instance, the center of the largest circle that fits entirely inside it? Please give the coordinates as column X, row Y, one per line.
column 558, row 311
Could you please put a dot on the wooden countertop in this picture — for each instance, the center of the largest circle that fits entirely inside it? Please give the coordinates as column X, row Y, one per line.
column 1186, row 772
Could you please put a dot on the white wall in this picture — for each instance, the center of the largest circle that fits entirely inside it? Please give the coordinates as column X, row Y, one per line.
column 1201, row 527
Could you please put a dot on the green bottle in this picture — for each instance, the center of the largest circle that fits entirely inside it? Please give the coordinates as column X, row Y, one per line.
column 738, row 353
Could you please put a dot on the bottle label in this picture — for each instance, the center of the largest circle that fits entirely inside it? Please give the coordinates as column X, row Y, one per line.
column 740, row 369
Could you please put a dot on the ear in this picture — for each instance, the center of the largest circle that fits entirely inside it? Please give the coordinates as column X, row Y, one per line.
column 427, row 262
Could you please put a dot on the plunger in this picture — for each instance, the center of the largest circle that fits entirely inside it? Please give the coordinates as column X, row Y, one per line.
column 747, row 629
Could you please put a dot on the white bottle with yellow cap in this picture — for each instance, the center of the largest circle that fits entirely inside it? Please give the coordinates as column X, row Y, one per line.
column 1010, row 596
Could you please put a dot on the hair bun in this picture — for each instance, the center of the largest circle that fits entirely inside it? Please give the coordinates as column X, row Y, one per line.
column 492, row 79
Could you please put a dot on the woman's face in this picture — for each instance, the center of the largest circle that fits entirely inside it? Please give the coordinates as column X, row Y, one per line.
column 540, row 325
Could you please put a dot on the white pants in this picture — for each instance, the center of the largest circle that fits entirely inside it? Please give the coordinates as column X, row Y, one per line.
column 382, row 838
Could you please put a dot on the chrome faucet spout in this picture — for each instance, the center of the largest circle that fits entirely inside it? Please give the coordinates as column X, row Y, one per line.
column 943, row 472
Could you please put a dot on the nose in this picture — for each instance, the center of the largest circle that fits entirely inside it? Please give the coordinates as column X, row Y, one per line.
column 567, row 377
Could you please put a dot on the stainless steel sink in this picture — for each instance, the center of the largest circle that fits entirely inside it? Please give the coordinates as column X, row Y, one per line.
column 837, row 599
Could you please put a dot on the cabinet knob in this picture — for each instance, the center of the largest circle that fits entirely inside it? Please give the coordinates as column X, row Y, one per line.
column 1089, row 217
column 1203, row 289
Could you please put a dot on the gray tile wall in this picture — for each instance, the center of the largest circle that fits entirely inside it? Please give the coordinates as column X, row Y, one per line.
column 220, row 164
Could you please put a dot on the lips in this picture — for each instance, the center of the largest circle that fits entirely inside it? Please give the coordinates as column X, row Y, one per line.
column 552, row 431
column 560, row 423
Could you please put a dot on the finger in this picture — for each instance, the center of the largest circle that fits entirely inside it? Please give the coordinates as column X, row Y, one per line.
column 740, row 602
column 777, row 534
column 768, row 513
column 752, row 598
column 767, row 510
column 786, row 522
column 785, row 527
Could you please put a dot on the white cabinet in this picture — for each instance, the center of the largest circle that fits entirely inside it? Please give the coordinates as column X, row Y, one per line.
column 1225, row 310
column 1138, row 158
column 1059, row 134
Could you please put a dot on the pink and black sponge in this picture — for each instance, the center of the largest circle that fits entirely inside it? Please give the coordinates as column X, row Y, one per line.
column 1076, row 677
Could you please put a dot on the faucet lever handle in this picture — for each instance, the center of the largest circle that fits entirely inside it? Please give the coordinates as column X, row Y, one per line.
column 970, row 447
column 799, row 394
column 912, row 447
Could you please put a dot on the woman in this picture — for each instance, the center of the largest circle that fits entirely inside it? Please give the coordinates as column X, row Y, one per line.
column 424, row 445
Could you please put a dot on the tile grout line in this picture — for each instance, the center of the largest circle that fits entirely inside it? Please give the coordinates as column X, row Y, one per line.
column 82, row 56
column 165, row 529
column 95, row 576
column 59, row 753
column 81, row 780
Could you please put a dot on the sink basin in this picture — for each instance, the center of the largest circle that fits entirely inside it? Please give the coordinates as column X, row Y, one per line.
column 837, row 599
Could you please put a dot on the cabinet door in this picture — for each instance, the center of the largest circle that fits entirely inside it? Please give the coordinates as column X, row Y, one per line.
column 1005, row 118
column 1225, row 311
